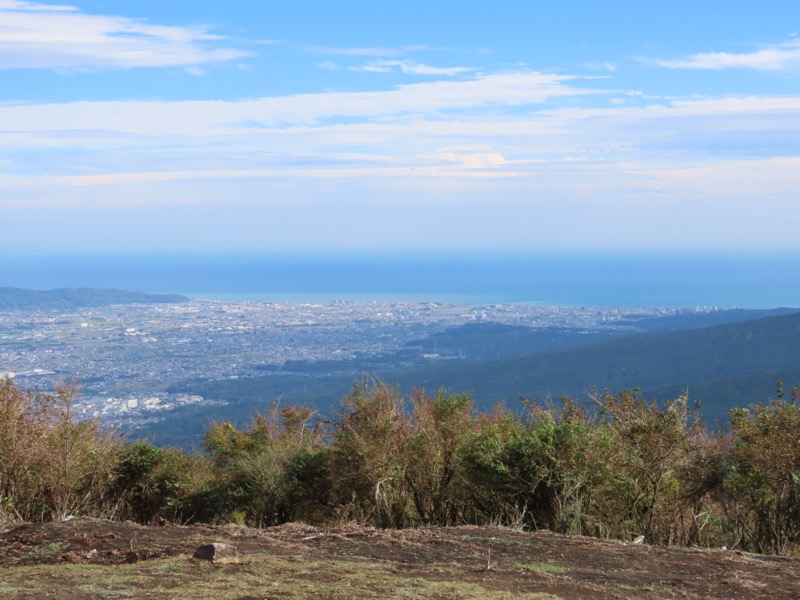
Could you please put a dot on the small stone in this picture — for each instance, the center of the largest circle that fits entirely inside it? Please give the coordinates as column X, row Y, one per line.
column 217, row 553
column 72, row 558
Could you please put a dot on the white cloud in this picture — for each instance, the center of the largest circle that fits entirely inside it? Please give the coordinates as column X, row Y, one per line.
column 373, row 67
column 196, row 71
column 605, row 66
column 327, row 65
column 503, row 138
column 201, row 118
column 776, row 57
column 34, row 6
column 480, row 160
column 34, row 36
column 374, row 51
column 409, row 67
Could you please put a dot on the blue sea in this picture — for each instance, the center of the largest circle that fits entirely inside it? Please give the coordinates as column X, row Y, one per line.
column 761, row 280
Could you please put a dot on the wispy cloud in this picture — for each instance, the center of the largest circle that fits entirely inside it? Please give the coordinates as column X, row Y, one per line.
column 549, row 147
column 409, row 67
column 373, row 51
column 775, row 57
column 605, row 66
column 42, row 36
column 327, row 65
column 198, row 118
column 33, row 6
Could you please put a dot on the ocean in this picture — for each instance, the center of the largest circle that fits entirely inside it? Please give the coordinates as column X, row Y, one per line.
column 754, row 280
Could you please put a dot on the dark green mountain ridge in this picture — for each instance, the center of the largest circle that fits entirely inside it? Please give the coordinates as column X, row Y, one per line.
column 707, row 362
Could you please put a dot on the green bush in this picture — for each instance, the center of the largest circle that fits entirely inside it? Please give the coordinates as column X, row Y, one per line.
column 538, row 470
column 764, row 477
column 432, row 459
column 153, row 483
column 259, row 470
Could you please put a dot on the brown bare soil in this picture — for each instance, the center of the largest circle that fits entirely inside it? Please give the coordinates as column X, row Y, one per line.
column 89, row 558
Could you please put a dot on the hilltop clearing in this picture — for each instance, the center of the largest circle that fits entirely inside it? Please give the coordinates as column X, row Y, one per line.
column 58, row 560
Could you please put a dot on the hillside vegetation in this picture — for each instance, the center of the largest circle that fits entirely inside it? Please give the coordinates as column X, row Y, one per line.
column 628, row 467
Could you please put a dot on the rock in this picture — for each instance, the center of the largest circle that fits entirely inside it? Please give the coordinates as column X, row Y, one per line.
column 217, row 553
column 72, row 558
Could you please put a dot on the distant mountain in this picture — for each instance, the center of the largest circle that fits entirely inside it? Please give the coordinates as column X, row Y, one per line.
column 723, row 366
column 66, row 298
column 487, row 340
column 696, row 320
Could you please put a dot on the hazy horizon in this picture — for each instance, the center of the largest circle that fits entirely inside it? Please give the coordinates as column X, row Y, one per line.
column 764, row 280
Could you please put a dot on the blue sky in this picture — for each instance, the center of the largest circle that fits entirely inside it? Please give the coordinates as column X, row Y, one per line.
column 382, row 126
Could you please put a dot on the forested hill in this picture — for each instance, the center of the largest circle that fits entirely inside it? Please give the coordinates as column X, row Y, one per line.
column 722, row 366
column 11, row 298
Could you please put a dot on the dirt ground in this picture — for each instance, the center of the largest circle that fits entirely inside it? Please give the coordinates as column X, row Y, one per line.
column 483, row 561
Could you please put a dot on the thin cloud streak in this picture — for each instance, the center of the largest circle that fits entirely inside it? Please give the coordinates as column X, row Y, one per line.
column 408, row 67
column 200, row 118
column 352, row 51
column 34, row 6
column 37, row 36
column 776, row 57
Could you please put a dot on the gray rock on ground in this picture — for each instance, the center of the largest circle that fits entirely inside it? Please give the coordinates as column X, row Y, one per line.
column 217, row 553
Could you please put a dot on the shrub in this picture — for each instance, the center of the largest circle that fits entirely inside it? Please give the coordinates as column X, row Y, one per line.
column 24, row 420
column 152, row 482
column 51, row 465
column 368, row 470
column 491, row 478
column 653, row 447
column 432, row 460
column 82, row 460
column 538, row 470
column 258, row 469
column 764, row 477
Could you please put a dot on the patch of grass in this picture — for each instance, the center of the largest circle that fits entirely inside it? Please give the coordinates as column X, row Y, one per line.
column 97, row 590
column 272, row 576
column 537, row 566
column 7, row 588
column 442, row 569
column 50, row 549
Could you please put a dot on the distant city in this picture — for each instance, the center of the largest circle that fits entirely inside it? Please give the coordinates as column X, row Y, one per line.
column 124, row 358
